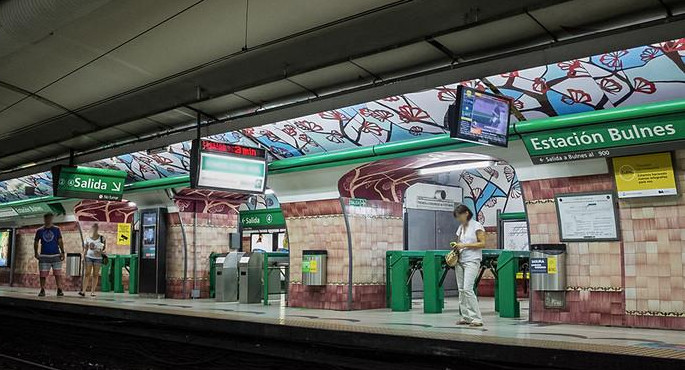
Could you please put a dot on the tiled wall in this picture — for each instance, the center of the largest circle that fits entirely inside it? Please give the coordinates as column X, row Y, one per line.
column 375, row 228
column 212, row 236
column 26, row 266
column 637, row 281
column 317, row 225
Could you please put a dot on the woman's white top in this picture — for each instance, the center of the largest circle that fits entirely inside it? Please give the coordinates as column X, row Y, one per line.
column 467, row 235
column 94, row 247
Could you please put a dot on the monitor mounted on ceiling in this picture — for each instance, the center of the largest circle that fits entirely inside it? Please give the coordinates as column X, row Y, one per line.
column 480, row 117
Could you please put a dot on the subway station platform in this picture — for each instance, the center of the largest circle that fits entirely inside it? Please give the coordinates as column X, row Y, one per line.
column 369, row 333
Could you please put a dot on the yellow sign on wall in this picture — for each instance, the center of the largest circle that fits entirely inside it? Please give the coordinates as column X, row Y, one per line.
column 645, row 175
column 551, row 265
column 123, row 234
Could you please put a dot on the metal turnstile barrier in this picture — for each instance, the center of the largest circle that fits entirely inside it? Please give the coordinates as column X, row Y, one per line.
column 228, row 277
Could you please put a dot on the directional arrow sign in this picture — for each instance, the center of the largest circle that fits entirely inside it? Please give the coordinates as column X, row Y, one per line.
column 88, row 183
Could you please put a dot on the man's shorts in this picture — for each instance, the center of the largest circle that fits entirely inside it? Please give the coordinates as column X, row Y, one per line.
column 47, row 263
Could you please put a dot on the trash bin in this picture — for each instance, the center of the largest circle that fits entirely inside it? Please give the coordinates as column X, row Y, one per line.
column 314, row 267
column 548, row 267
column 73, row 264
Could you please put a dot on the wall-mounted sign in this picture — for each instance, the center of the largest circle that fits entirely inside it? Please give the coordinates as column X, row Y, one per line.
column 601, row 140
column 227, row 167
column 123, row 234
column 433, row 197
column 31, row 210
column 262, row 219
column 644, row 175
column 88, row 183
column 356, row 202
column 587, row 217
column 515, row 235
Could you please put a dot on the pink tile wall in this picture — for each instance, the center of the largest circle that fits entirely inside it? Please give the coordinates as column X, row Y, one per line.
column 26, row 266
column 212, row 236
column 639, row 281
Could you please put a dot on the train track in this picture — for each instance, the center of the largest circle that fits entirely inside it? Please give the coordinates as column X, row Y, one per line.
column 33, row 365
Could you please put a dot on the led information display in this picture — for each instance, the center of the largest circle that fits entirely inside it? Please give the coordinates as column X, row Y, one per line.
column 228, row 167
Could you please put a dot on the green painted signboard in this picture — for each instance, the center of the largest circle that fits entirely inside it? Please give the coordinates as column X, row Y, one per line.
column 88, row 183
column 262, row 219
column 603, row 140
column 31, row 210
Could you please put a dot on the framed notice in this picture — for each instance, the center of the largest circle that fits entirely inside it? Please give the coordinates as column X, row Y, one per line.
column 587, row 217
column 515, row 235
column 647, row 175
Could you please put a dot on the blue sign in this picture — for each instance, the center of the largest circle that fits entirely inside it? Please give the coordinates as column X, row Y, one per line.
column 538, row 265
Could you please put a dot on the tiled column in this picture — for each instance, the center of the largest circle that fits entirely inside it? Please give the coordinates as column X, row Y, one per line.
column 318, row 225
column 212, row 236
column 375, row 228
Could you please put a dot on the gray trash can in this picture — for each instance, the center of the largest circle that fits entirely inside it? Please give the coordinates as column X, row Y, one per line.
column 314, row 267
column 548, row 267
column 73, row 264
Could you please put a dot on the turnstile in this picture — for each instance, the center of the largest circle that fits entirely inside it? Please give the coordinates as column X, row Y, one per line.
column 227, row 277
column 250, row 267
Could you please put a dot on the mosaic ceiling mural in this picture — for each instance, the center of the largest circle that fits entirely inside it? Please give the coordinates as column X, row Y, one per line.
column 620, row 78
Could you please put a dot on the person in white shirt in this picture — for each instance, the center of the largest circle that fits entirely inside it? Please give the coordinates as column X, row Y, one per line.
column 470, row 242
column 94, row 246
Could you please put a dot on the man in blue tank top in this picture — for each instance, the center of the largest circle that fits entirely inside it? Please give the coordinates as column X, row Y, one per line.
column 51, row 253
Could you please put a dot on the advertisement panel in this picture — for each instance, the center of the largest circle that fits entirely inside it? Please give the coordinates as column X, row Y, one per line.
column 646, row 175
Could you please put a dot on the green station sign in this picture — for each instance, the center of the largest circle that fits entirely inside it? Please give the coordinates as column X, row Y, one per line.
column 88, row 183
column 262, row 219
column 31, row 210
column 603, row 140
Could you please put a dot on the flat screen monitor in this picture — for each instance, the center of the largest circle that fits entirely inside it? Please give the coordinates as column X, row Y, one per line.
column 228, row 167
column 480, row 117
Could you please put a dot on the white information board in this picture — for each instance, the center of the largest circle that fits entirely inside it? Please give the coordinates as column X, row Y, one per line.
column 587, row 217
column 515, row 235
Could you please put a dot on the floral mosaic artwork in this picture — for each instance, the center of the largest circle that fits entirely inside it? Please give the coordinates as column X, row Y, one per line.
column 208, row 201
column 627, row 77
column 100, row 211
column 486, row 190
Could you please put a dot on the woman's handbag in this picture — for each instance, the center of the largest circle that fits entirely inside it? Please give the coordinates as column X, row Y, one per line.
column 452, row 258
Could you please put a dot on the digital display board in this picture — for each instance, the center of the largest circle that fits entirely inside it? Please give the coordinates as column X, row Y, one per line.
column 480, row 117
column 228, row 167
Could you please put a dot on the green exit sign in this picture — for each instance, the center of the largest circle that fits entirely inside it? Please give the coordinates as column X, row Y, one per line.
column 88, row 183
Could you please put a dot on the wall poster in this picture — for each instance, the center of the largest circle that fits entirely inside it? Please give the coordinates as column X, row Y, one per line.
column 587, row 217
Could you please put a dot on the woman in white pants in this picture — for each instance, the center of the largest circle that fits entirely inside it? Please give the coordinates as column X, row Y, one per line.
column 470, row 242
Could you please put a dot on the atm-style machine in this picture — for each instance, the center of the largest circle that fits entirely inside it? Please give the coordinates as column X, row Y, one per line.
column 152, row 252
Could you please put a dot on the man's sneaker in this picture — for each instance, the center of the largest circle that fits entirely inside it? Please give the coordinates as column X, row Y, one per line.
column 59, row 293
column 42, row 293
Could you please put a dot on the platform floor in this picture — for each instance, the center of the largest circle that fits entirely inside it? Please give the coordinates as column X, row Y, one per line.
column 514, row 332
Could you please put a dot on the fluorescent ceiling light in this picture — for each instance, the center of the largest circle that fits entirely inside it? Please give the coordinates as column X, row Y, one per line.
column 455, row 167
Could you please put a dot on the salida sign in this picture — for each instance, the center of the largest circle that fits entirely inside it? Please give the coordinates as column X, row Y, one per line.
column 600, row 140
column 88, row 183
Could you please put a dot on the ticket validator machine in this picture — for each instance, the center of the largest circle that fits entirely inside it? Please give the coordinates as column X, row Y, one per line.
column 152, row 251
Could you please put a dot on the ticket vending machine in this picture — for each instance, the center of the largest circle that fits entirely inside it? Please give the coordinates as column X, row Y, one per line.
column 152, row 251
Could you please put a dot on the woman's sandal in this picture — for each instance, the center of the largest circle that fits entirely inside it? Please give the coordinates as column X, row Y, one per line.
column 463, row 322
column 82, row 294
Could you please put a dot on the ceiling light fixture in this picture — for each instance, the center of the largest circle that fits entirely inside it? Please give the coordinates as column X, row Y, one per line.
column 455, row 167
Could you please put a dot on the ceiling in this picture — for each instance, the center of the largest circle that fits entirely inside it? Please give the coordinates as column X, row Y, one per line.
column 625, row 77
column 102, row 78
